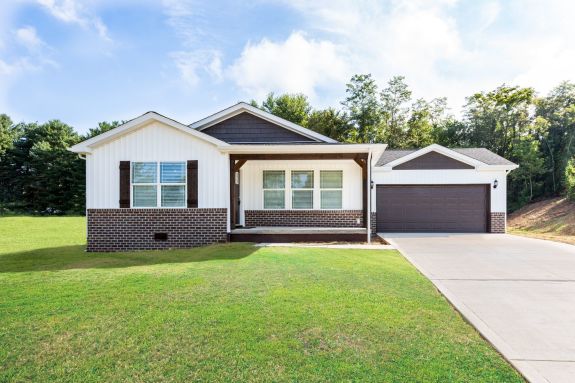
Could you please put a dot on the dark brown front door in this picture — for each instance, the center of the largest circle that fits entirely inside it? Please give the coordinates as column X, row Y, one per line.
column 432, row 208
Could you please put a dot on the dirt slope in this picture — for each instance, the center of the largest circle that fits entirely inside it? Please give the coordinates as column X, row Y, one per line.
column 552, row 219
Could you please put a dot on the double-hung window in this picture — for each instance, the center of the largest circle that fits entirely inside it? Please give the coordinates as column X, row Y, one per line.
column 302, row 189
column 158, row 184
column 274, row 189
column 331, row 184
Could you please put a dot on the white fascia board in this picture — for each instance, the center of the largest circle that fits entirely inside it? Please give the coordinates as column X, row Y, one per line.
column 491, row 168
column 304, row 148
column 136, row 123
column 440, row 149
column 244, row 107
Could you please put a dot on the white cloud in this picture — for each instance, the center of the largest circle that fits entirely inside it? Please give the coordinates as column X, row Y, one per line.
column 297, row 64
column 72, row 12
column 447, row 48
column 28, row 37
column 192, row 64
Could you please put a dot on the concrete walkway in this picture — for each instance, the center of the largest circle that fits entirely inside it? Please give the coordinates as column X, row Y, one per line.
column 518, row 292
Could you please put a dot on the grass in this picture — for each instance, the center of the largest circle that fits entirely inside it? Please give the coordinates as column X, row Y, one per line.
column 223, row 313
column 552, row 219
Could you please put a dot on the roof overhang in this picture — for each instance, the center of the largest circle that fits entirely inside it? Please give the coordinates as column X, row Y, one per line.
column 85, row 147
column 243, row 107
column 375, row 149
column 478, row 165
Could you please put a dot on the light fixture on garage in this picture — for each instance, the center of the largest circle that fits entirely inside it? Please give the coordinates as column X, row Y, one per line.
column 371, row 184
column 495, row 183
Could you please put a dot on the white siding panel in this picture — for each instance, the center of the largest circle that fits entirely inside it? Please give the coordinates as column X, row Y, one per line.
column 251, row 175
column 156, row 142
column 423, row 177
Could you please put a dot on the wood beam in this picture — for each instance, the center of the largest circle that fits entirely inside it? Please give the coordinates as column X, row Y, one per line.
column 298, row 156
column 239, row 164
column 232, row 194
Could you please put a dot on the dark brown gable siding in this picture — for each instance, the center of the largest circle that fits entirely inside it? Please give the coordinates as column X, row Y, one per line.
column 247, row 128
column 432, row 160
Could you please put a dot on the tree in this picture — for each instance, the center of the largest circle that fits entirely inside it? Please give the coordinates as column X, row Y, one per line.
column 292, row 107
column 524, row 182
column 103, row 127
column 556, row 118
column 419, row 126
column 42, row 173
column 497, row 119
column 329, row 122
column 570, row 178
column 395, row 112
column 362, row 108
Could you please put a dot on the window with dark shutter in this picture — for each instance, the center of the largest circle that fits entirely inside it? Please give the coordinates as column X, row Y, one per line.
column 192, row 183
column 124, row 184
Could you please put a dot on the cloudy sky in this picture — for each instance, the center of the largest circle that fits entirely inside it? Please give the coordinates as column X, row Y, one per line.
column 84, row 61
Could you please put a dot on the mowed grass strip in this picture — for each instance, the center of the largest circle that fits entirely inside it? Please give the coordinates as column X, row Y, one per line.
column 226, row 313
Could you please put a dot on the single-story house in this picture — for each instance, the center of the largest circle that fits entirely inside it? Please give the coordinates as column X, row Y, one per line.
column 243, row 174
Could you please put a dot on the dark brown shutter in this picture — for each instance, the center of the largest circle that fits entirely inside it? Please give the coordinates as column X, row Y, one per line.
column 193, row 183
column 124, row 184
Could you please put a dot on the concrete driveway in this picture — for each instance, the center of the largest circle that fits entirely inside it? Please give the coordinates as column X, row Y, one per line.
column 518, row 292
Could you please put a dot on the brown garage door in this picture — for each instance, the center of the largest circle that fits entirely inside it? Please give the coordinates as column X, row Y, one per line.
column 432, row 208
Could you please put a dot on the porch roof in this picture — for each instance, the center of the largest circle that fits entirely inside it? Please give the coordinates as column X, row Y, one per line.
column 375, row 149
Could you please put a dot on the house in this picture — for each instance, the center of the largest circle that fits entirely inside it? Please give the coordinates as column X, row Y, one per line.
column 245, row 175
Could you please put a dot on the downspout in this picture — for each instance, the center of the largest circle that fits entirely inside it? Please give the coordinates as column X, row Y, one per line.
column 368, row 188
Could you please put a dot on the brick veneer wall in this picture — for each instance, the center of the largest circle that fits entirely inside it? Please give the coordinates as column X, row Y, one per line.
column 373, row 223
column 497, row 224
column 133, row 229
column 305, row 218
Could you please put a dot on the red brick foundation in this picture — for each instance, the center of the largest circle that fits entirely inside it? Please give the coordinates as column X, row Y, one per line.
column 304, row 218
column 136, row 229
column 497, row 224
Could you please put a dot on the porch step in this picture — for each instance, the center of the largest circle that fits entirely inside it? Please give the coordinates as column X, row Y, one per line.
column 298, row 234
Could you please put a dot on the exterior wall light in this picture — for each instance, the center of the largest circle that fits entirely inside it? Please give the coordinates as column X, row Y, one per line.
column 495, row 183
column 371, row 184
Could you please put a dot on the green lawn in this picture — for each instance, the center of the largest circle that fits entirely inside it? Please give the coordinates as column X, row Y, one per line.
column 223, row 313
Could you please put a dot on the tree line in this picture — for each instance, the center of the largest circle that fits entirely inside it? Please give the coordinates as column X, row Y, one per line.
column 39, row 175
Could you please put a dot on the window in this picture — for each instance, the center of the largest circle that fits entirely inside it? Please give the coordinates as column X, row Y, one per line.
column 274, row 189
column 331, row 183
column 167, row 190
column 302, row 189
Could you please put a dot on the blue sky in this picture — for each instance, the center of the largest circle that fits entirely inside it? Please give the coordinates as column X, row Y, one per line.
column 95, row 60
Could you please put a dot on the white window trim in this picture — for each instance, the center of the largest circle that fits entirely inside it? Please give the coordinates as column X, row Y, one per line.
column 284, row 190
column 158, row 184
column 331, row 189
column 312, row 189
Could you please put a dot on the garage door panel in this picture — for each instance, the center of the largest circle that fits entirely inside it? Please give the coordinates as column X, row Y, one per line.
column 432, row 208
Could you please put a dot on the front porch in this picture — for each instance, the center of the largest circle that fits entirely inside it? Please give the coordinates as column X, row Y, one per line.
column 279, row 234
column 299, row 197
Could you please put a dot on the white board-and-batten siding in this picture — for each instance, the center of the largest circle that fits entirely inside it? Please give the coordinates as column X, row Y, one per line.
column 446, row 177
column 251, row 185
column 156, row 142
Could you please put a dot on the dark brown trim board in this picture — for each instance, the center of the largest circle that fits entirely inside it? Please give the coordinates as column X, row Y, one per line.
column 280, row 238
column 299, row 156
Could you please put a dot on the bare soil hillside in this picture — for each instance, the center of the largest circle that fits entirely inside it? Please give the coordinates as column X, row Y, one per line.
column 552, row 219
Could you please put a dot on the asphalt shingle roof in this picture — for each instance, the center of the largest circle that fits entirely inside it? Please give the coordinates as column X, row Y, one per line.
column 480, row 154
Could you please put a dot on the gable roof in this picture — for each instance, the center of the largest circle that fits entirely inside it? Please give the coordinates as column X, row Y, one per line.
column 472, row 156
column 243, row 107
column 136, row 123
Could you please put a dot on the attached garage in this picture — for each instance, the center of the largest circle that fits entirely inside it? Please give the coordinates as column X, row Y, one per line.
column 432, row 208
column 436, row 189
